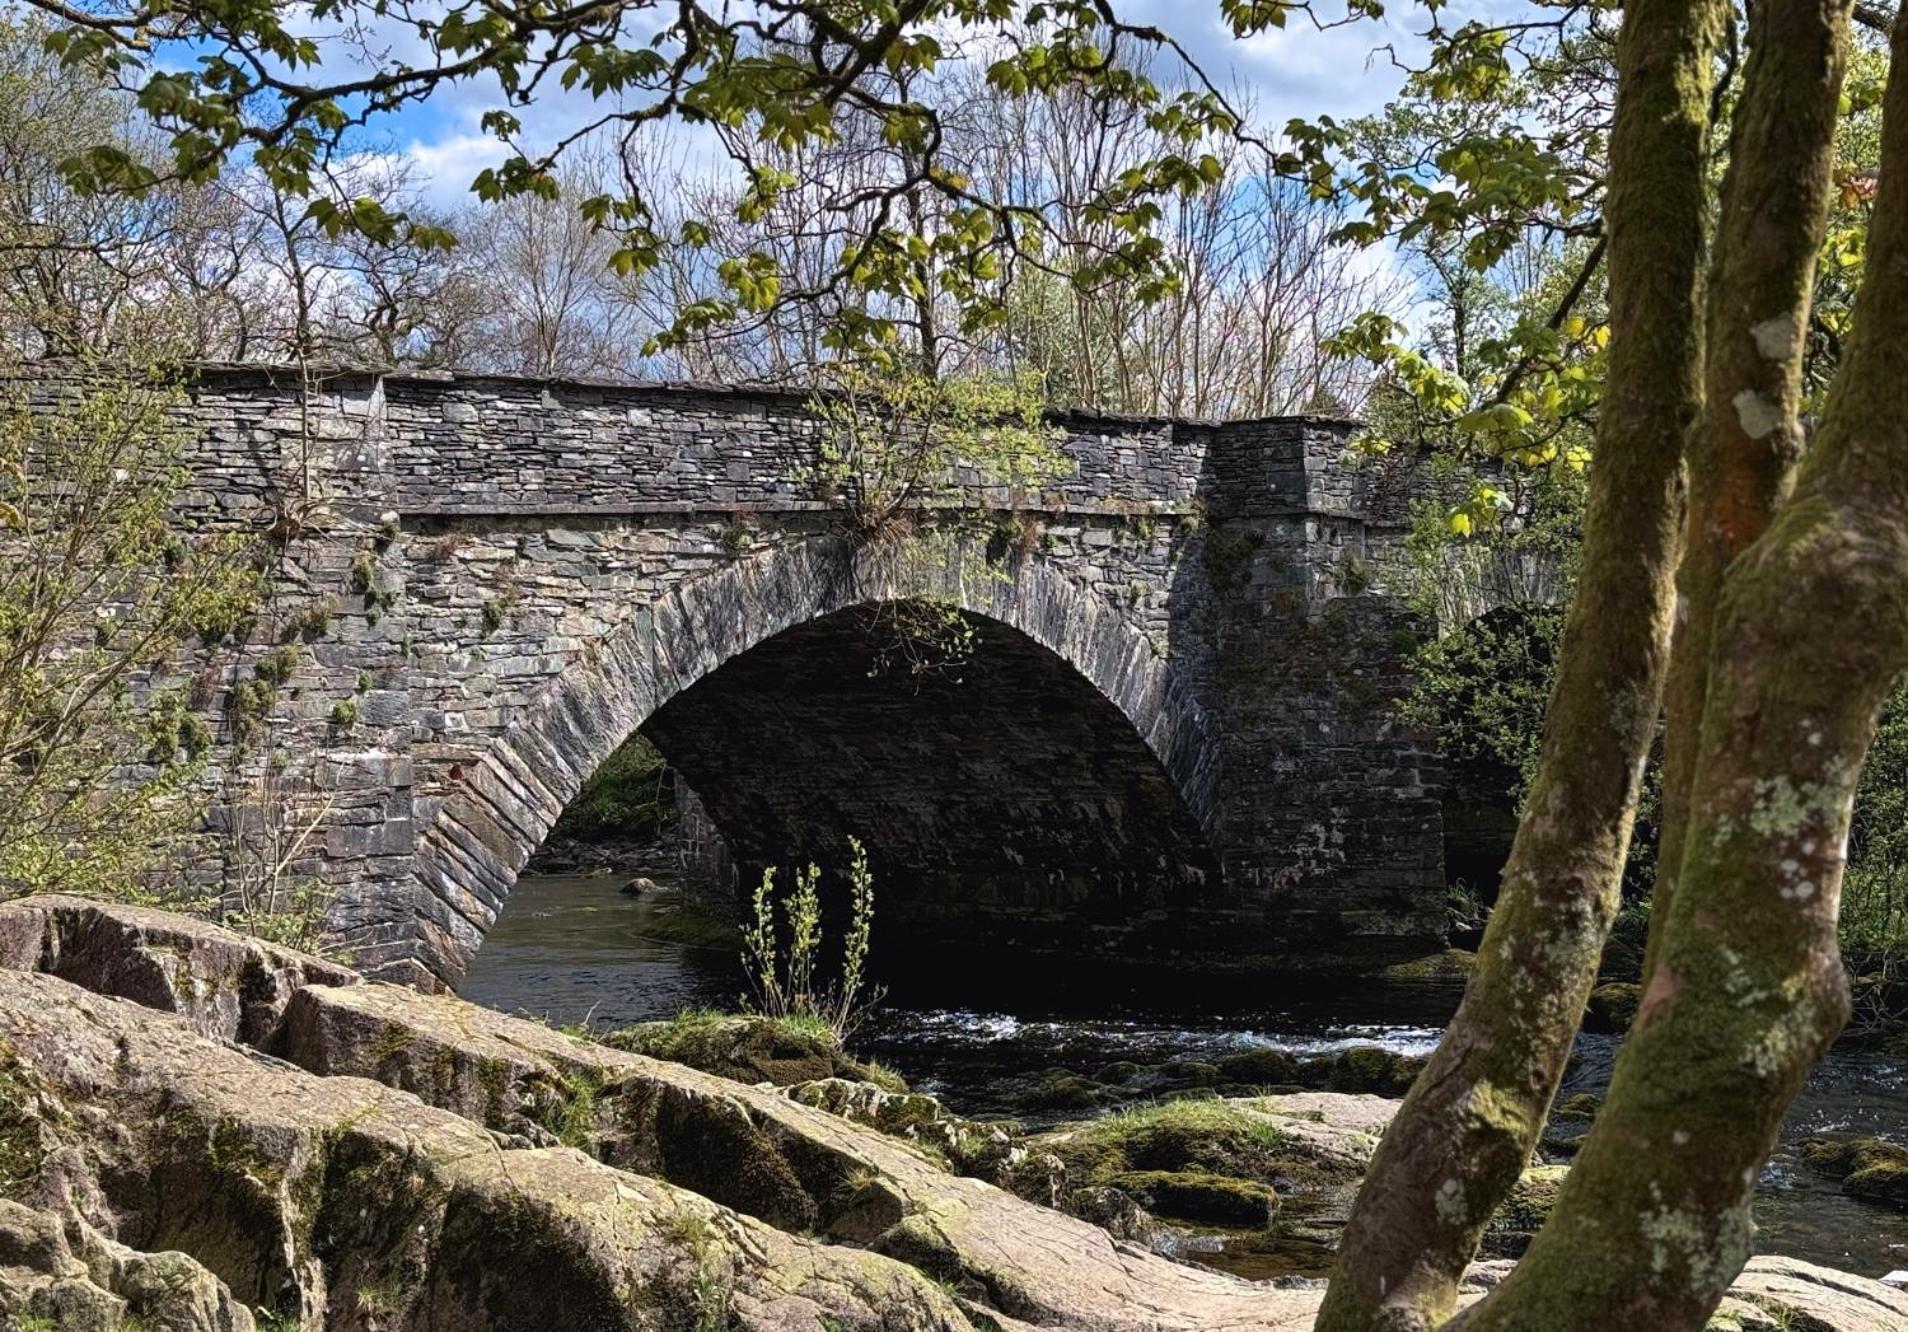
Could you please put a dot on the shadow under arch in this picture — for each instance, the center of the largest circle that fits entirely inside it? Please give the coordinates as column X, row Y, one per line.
column 486, row 829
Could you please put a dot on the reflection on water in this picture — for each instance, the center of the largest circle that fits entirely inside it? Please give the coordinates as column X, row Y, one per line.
column 572, row 949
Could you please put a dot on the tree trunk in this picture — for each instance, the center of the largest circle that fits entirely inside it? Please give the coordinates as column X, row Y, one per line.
column 1654, row 1220
column 1774, row 211
column 1466, row 1129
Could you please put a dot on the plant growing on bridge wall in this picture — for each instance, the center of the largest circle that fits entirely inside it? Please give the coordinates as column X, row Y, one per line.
column 918, row 636
column 101, row 586
column 895, row 441
column 784, row 960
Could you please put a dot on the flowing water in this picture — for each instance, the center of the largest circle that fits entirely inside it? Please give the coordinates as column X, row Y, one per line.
column 576, row 950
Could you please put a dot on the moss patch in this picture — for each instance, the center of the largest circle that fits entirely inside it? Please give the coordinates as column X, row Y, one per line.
column 1869, row 1168
column 750, row 1049
column 1612, row 1007
column 1199, row 1196
column 1367, row 1068
column 1061, row 1090
column 1204, row 1137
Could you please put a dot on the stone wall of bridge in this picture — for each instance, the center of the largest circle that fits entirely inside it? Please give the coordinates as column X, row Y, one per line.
column 485, row 584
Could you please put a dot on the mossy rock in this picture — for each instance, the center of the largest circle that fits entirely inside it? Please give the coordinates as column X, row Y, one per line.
column 1113, row 1211
column 899, row 1114
column 1524, row 1212
column 750, row 1049
column 1203, row 1137
column 1869, row 1168
column 689, row 925
column 1569, row 1124
column 1062, row 1090
column 1200, row 1197
column 1367, row 1068
column 1260, row 1068
column 1189, row 1074
column 1578, row 1109
column 965, row 1146
column 1118, row 1072
column 1612, row 1008
column 1453, row 964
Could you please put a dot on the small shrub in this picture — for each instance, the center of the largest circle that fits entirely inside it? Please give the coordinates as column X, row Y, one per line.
column 175, row 730
column 381, row 1299
column 1018, row 535
column 496, row 611
column 785, row 979
column 363, row 576
column 310, row 620
column 253, row 699
column 276, row 666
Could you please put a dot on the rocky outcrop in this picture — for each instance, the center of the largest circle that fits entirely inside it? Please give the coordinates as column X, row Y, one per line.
column 73, row 1279
column 752, row 1149
column 222, row 984
column 1870, row 1168
column 415, row 1162
column 339, row 1201
column 410, row 1155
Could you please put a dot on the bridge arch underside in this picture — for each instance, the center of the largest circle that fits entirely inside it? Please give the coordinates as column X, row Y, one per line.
column 1009, row 808
column 1053, row 787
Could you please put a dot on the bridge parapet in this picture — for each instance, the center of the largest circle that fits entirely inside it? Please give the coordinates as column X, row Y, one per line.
column 444, row 444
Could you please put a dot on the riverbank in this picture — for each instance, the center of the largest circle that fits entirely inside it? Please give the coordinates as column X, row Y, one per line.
column 577, row 951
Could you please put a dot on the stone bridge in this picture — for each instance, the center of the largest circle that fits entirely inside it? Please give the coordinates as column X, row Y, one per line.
column 1161, row 732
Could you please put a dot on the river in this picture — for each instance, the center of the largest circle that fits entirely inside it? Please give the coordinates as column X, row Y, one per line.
column 576, row 950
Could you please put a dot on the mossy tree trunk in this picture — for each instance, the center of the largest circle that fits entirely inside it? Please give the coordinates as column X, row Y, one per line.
column 1467, row 1127
column 1748, row 990
column 1771, row 221
column 1794, row 628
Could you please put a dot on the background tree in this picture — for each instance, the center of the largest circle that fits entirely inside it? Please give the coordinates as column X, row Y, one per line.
column 99, row 588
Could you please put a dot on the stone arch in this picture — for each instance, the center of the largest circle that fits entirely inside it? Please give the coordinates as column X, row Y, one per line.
column 473, row 847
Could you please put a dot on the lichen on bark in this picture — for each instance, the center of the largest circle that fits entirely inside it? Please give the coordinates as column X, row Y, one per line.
column 1747, row 991
column 1743, row 450
column 1467, row 1127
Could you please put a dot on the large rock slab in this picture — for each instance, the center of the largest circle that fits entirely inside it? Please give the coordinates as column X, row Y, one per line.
column 154, row 1172
column 764, row 1154
column 1788, row 1295
column 347, row 1204
column 1772, row 1295
column 223, row 984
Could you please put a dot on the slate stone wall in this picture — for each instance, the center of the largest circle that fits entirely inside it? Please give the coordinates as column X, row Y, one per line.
column 489, row 582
